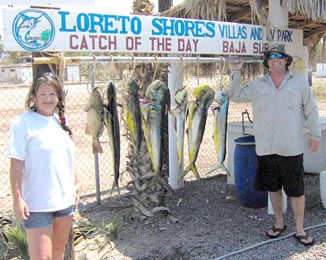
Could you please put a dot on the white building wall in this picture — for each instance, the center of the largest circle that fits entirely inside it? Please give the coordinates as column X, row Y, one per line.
column 321, row 70
column 73, row 73
column 24, row 74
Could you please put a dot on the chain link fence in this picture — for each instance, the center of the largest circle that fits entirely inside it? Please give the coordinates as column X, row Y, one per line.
column 16, row 80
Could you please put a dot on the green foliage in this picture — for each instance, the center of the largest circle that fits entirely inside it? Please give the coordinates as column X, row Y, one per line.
column 111, row 228
column 319, row 89
column 4, row 248
column 13, row 241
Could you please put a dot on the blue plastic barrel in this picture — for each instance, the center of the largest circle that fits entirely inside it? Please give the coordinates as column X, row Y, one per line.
column 245, row 163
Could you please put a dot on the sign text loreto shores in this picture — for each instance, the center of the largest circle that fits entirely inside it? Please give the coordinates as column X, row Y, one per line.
column 59, row 30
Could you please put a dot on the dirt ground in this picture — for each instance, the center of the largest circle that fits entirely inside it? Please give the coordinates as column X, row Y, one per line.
column 209, row 226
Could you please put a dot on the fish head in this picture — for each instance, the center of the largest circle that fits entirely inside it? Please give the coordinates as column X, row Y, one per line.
column 159, row 94
column 155, row 91
column 221, row 96
column 200, row 90
column 110, row 91
column 204, row 94
column 95, row 97
column 131, row 87
column 95, row 100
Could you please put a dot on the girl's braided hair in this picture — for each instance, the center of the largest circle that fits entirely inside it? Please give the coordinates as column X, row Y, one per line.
column 50, row 79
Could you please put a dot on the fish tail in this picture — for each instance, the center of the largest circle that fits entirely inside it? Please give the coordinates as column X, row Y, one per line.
column 186, row 170
column 225, row 169
column 195, row 171
column 115, row 185
column 97, row 147
column 219, row 166
column 190, row 167
column 214, row 168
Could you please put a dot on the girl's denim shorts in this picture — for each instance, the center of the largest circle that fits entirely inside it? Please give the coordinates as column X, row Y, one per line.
column 43, row 219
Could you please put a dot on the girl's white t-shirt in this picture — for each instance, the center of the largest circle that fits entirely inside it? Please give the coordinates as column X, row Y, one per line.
column 47, row 152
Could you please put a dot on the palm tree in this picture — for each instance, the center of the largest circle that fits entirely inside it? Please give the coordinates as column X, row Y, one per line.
column 148, row 189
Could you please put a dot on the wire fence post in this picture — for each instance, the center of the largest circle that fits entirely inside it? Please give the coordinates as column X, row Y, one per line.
column 96, row 163
column 175, row 81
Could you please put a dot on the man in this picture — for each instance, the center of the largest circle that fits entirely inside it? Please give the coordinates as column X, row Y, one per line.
column 282, row 103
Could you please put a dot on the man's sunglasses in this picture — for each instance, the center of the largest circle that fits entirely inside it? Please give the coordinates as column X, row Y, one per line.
column 273, row 56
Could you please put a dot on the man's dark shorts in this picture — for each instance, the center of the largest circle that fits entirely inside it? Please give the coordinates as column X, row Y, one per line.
column 276, row 171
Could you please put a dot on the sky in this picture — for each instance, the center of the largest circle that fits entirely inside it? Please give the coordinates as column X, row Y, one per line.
column 103, row 6
column 116, row 6
column 123, row 6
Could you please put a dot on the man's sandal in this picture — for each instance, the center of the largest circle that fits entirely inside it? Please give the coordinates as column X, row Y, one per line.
column 304, row 240
column 276, row 230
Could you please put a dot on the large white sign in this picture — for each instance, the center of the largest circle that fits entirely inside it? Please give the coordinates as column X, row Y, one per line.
column 59, row 30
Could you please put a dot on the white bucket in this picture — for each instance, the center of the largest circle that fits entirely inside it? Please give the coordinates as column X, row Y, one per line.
column 322, row 183
column 284, row 203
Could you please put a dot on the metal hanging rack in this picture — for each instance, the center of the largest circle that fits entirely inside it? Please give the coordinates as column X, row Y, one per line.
column 143, row 59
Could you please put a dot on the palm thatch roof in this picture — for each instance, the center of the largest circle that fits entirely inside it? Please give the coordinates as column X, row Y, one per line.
column 306, row 15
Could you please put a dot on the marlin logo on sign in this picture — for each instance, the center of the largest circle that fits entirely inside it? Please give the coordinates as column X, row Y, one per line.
column 33, row 30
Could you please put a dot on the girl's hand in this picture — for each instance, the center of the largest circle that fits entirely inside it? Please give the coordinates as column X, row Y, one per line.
column 21, row 209
column 78, row 188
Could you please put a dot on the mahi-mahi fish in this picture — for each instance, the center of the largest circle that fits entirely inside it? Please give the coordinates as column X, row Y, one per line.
column 95, row 119
column 158, row 103
column 197, row 116
column 180, row 112
column 132, row 105
column 111, row 121
column 220, row 128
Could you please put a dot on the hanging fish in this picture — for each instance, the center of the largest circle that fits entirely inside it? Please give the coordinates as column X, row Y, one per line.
column 151, row 117
column 157, row 105
column 133, row 113
column 197, row 116
column 95, row 119
column 111, row 121
column 220, row 128
column 180, row 112
column 159, row 95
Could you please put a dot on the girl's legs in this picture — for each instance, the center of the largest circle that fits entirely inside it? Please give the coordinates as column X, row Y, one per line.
column 49, row 242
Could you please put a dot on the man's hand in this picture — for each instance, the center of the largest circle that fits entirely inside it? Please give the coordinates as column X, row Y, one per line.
column 313, row 145
column 236, row 66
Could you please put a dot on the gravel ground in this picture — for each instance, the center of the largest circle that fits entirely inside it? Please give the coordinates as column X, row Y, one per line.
column 209, row 227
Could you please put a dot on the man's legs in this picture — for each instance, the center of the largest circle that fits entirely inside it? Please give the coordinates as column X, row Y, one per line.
column 298, row 208
column 276, row 199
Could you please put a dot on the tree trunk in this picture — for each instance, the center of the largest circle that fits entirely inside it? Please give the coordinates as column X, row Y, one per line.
column 164, row 5
column 40, row 68
column 70, row 248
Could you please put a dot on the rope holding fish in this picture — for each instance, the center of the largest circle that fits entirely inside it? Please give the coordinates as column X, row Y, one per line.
column 179, row 74
column 156, row 66
column 222, row 72
column 197, row 69
column 60, row 65
column 91, row 73
column 112, row 67
column 133, row 65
